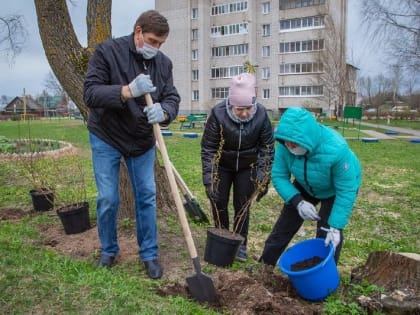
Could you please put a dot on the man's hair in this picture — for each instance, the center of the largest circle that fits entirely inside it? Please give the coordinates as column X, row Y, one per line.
column 153, row 22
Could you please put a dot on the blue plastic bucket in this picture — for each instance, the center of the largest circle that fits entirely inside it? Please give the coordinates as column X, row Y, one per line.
column 317, row 282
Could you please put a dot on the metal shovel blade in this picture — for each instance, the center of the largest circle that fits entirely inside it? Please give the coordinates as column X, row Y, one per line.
column 201, row 286
column 194, row 210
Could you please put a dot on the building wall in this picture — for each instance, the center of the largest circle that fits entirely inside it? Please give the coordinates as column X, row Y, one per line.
column 180, row 44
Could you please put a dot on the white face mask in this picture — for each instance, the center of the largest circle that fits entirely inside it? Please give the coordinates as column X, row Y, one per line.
column 147, row 51
column 298, row 150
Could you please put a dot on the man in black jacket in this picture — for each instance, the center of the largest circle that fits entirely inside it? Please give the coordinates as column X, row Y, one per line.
column 237, row 149
column 120, row 72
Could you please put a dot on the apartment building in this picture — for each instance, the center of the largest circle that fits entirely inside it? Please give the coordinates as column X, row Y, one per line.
column 296, row 48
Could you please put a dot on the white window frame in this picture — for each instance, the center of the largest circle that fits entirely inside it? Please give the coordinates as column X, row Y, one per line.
column 266, row 30
column 266, row 7
column 266, row 51
column 195, row 75
column 265, row 73
column 266, row 94
column 194, row 54
column 194, row 34
column 194, row 13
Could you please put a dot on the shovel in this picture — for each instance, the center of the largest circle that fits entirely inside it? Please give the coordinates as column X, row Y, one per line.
column 200, row 285
column 191, row 205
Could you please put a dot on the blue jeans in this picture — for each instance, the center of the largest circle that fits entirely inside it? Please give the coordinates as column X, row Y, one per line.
column 106, row 166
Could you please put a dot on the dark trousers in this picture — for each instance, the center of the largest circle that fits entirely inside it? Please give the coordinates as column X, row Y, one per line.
column 289, row 223
column 243, row 188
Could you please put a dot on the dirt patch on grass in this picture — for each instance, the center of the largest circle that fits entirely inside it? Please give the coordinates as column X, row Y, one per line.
column 256, row 289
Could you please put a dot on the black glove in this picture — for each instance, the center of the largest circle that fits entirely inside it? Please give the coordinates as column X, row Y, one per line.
column 211, row 194
column 262, row 193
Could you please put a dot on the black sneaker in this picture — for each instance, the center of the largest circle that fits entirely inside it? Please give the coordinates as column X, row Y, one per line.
column 242, row 255
column 154, row 270
column 106, row 261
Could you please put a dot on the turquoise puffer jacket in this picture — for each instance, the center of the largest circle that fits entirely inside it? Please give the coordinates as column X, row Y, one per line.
column 329, row 168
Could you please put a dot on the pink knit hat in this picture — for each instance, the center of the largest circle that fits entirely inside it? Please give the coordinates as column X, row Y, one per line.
column 242, row 90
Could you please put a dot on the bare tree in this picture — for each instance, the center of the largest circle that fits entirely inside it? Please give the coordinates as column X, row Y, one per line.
column 375, row 91
column 395, row 27
column 413, row 94
column 334, row 78
column 51, row 84
column 12, row 35
column 396, row 80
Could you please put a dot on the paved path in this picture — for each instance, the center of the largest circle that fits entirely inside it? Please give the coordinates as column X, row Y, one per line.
column 409, row 131
column 377, row 135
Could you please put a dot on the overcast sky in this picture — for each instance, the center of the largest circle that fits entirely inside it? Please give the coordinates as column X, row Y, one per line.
column 30, row 68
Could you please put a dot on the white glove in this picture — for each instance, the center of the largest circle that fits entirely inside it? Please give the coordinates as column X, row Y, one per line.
column 141, row 85
column 307, row 211
column 154, row 113
column 333, row 236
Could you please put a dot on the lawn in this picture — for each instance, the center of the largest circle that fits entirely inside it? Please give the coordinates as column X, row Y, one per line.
column 36, row 280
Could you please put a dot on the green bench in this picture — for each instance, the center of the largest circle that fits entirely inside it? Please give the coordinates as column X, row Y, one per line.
column 194, row 121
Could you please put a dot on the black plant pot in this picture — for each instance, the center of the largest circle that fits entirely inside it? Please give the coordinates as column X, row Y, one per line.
column 42, row 199
column 75, row 217
column 222, row 247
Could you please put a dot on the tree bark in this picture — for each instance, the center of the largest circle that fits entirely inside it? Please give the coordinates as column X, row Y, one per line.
column 390, row 270
column 398, row 274
column 67, row 58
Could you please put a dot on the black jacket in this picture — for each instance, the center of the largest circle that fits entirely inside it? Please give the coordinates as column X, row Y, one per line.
column 241, row 145
column 124, row 126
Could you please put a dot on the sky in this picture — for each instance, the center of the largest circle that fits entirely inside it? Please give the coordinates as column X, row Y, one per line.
column 28, row 71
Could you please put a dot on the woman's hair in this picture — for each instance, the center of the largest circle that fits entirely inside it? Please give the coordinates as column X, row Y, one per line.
column 153, row 22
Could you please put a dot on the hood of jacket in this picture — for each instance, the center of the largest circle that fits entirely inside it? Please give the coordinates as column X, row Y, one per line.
column 299, row 126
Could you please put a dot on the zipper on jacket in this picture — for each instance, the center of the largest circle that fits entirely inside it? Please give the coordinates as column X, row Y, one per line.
column 305, row 174
column 241, row 126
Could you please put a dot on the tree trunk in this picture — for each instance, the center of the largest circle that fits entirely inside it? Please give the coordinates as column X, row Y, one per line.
column 67, row 58
column 390, row 270
column 398, row 274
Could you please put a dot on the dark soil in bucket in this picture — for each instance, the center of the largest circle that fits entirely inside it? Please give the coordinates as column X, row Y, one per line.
column 306, row 264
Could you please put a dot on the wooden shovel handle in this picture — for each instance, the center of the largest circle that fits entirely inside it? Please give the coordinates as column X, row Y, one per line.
column 179, row 179
column 174, row 189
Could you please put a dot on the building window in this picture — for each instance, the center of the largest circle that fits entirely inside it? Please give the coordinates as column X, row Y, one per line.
column 231, row 50
column 266, row 8
column 308, row 22
column 290, row 68
column 194, row 13
column 265, row 73
column 231, row 29
column 293, row 4
column 226, row 72
column 195, row 95
column 195, row 75
column 266, row 51
column 301, row 46
column 194, row 54
column 194, row 34
column 239, row 6
column 266, row 94
column 221, row 92
column 266, row 29
column 316, row 90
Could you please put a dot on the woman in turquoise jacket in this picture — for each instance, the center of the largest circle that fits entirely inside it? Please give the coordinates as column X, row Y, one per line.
column 312, row 164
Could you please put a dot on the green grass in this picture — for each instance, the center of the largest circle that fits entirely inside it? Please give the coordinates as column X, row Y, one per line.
column 36, row 280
